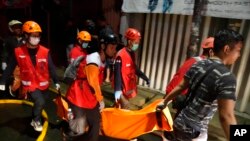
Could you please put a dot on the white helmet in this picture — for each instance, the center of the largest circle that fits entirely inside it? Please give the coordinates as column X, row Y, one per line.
column 13, row 22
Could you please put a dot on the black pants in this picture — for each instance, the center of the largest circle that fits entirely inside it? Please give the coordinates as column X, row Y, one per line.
column 38, row 98
column 93, row 119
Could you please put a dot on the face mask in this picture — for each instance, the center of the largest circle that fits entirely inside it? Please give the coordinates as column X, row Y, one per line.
column 85, row 45
column 34, row 40
column 135, row 47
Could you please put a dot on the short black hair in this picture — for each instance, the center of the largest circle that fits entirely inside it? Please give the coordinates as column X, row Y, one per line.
column 226, row 37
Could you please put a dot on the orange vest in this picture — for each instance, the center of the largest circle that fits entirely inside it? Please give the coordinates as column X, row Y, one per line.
column 33, row 77
column 80, row 93
column 128, row 72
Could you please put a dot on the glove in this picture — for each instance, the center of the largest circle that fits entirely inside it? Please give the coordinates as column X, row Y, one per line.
column 118, row 95
column 2, row 87
column 102, row 105
column 4, row 66
column 57, row 86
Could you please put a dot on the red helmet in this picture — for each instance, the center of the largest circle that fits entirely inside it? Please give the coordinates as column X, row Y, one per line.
column 208, row 43
column 132, row 34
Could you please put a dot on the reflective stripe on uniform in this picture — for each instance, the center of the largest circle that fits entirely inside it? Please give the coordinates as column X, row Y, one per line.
column 43, row 83
column 26, row 83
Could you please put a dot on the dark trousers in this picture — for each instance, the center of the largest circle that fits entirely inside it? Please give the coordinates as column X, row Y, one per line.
column 38, row 98
column 93, row 119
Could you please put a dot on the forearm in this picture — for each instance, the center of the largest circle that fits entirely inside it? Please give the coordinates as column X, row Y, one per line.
column 140, row 74
column 226, row 122
column 52, row 70
column 117, row 77
column 9, row 70
column 177, row 90
column 226, row 115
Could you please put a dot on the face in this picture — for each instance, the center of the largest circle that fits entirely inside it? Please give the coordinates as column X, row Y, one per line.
column 111, row 50
column 232, row 54
column 134, row 44
column 17, row 29
column 34, row 39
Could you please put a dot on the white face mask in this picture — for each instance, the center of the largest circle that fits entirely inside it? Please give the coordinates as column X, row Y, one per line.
column 34, row 40
column 85, row 45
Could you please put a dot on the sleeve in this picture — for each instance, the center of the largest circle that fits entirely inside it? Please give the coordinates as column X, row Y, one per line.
column 227, row 87
column 179, row 75
column 94, row 58
column 140, row 74
column 4, row 53
column 9, row 70
column 52, row 70
column 117, row 75
column 92, row 72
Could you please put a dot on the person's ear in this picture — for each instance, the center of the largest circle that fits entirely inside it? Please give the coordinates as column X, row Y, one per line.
column 226, row 49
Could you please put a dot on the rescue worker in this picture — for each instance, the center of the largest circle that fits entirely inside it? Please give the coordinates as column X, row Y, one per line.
column 207, row 46
column 10, row 43
column 125, row 70
column 79, row 49
column 85, row 98
column 36, row 67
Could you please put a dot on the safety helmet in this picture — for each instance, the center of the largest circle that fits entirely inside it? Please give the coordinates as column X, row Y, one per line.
column 132, row 34
column 110, row 39
column 13, row 22
column 208, row 43
column 31, row 26
column 84, row 35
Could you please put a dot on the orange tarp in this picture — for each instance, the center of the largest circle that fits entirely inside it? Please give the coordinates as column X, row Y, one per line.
column 127, row 124
column 61, row 107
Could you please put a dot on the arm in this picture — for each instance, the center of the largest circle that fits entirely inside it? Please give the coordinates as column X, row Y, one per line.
column 92, row 72
column 117, row 75
column 140, row 74
column 180, row 75
column 177, row 90
column 9, row 70
column 52, row 70
column 226, row 114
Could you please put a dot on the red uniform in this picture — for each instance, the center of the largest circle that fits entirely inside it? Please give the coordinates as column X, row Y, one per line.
column 33, row 77
column 128, row 72
column 181, row 72
column 75, row 52
column 80, row 93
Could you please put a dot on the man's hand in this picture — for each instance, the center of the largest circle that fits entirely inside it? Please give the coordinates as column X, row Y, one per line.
column 2, row 87
column 118, row 95
column 162, row 105
column 57, row 86
column 102, row 105
column 148, row 82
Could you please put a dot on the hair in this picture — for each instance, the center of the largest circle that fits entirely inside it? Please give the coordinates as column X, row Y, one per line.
column 226, row 37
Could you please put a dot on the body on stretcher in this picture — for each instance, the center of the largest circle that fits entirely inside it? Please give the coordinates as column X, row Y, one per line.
column 127, row 124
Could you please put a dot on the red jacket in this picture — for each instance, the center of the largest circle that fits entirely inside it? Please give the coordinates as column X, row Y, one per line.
column 128, row 72
column 33, row 77
column 179, row 75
